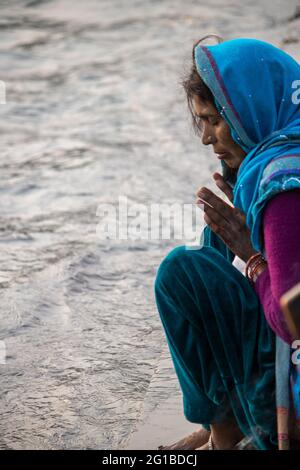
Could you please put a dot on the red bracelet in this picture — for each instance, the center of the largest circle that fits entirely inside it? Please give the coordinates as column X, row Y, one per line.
column 251, row 261
column 252, row 266
column 253, row 269
column 254, row 272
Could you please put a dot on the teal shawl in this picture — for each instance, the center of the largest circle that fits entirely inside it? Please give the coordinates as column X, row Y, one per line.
column 256, row 88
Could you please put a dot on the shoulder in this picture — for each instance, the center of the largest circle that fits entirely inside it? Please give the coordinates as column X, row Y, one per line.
column 283, row 203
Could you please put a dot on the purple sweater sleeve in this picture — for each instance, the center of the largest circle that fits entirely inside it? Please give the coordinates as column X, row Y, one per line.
column 281, row 228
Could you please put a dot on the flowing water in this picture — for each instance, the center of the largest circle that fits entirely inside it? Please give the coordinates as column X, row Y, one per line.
column 94, row 110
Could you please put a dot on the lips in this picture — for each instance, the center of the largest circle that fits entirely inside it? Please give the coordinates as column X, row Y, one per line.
column 221, row 156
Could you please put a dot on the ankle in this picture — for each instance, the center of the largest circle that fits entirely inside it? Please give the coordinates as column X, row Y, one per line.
column 225, row 438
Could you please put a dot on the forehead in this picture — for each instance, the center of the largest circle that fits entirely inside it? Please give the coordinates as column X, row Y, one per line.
column 203, row 108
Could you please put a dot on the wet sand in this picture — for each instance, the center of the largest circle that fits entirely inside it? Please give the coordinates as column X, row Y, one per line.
column 161, row 421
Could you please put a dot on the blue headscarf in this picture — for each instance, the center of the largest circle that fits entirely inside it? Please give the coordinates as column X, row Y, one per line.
column 256, row 88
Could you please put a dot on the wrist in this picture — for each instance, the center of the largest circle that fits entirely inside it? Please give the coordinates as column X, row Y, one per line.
column 246, row 257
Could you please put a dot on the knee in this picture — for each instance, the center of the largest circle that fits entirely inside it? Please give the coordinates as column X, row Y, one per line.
column 167, row 278
column 168, row 268
column 182, row 262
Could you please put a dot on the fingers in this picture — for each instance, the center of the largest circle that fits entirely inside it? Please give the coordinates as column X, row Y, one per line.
column 220, row 216
column 215, row 202
column 222, row 229
column 229, row 232
column 217, row 222
column 225, row 188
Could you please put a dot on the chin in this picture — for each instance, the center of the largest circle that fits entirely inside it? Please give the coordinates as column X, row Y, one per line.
column 233, row 165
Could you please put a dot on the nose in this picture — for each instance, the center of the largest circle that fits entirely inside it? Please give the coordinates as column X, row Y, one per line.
column 207, row 137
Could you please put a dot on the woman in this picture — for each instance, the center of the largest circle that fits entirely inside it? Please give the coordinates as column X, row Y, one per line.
column 227, row 336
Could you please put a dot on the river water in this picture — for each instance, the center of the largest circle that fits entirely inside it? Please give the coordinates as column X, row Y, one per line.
column 94, row 110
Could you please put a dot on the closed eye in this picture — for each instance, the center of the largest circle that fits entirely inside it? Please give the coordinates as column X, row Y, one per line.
column 214, row 121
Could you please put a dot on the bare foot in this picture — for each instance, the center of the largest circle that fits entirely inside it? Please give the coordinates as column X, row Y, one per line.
column 190, row 442
column 204, row 447
column 225, row 436
column 233, row 447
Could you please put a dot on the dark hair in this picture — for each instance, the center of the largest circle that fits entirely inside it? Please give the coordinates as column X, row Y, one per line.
column 194, row 85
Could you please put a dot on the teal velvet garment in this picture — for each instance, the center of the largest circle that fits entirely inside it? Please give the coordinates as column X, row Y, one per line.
column 256, row 88
column 222, row 348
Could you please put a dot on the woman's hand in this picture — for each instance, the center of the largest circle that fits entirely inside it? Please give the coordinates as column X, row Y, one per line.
column 228, row 222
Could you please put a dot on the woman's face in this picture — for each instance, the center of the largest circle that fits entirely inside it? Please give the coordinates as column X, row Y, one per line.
column 216, row 132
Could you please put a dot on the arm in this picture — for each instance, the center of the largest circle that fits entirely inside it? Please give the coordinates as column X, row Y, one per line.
column 281, row 230
column 281, row 227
